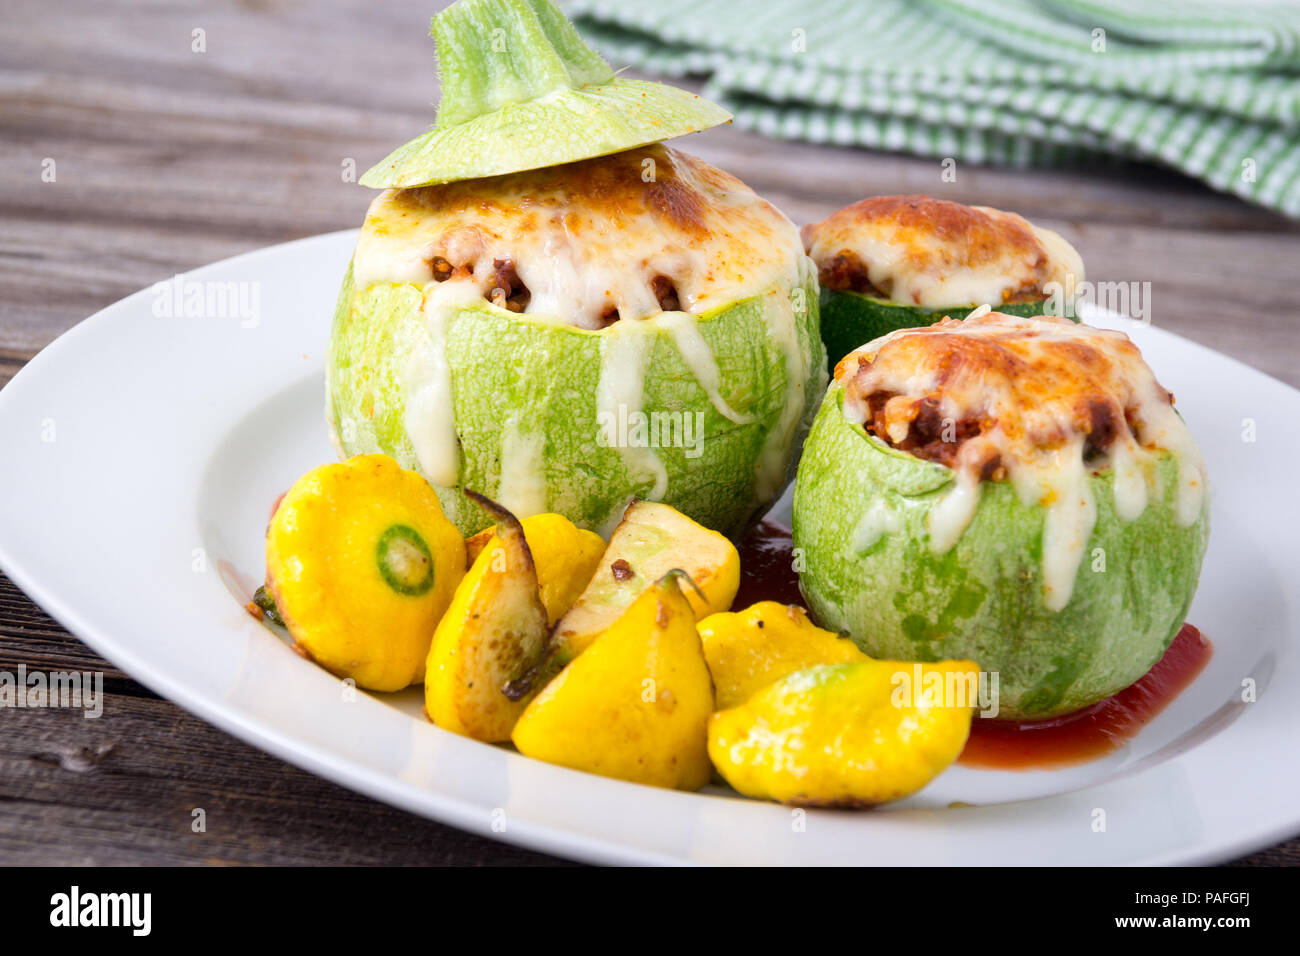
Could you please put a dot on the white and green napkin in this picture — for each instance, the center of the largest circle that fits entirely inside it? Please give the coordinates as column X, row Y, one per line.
column 1212, row 90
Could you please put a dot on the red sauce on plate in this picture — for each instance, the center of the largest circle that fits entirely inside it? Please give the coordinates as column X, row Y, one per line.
column 767, row 567
column 1094, row 731
column 767, row 574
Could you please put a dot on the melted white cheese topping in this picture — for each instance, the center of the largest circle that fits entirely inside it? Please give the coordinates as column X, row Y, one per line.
column 590, row 237
column 583, row 239
column 1037, row 389
column 936, row 254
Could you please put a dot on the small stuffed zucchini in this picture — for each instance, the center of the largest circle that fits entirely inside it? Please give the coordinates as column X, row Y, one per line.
column 1015, row 491
column 362, row 563
column 897, row 262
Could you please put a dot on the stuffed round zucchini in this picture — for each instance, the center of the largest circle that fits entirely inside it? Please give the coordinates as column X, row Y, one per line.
column 606, row 319
column 640, row 325
column 1017, row 491
column 897, row 262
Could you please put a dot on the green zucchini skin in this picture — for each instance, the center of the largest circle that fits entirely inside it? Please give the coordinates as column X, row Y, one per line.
column 982, row 600
column 851, row 319
column 543, row 377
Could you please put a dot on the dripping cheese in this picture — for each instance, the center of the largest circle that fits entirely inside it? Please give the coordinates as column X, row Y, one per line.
column 1042, row 403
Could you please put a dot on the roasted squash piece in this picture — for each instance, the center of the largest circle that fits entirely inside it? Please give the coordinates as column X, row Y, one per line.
column 490, row 647
column 651, row 540
column 635, row 704
column 750, row 649
column 362, row 563
column 565, row 556
column 475, row 543
column 846, row 735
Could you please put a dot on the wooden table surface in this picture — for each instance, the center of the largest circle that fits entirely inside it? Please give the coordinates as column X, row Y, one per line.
column 166, row 158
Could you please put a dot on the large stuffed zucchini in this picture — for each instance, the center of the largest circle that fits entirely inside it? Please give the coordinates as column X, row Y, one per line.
column 564, row 339
column 897, row 262
column 1017, row 491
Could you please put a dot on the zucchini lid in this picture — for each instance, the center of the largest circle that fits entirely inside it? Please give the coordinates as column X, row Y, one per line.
column 521, row 90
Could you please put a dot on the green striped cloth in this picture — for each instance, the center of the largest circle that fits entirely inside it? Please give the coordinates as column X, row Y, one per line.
column 1212, row 90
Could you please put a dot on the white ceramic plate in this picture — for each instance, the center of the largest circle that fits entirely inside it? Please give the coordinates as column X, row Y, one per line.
column 142, row 454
